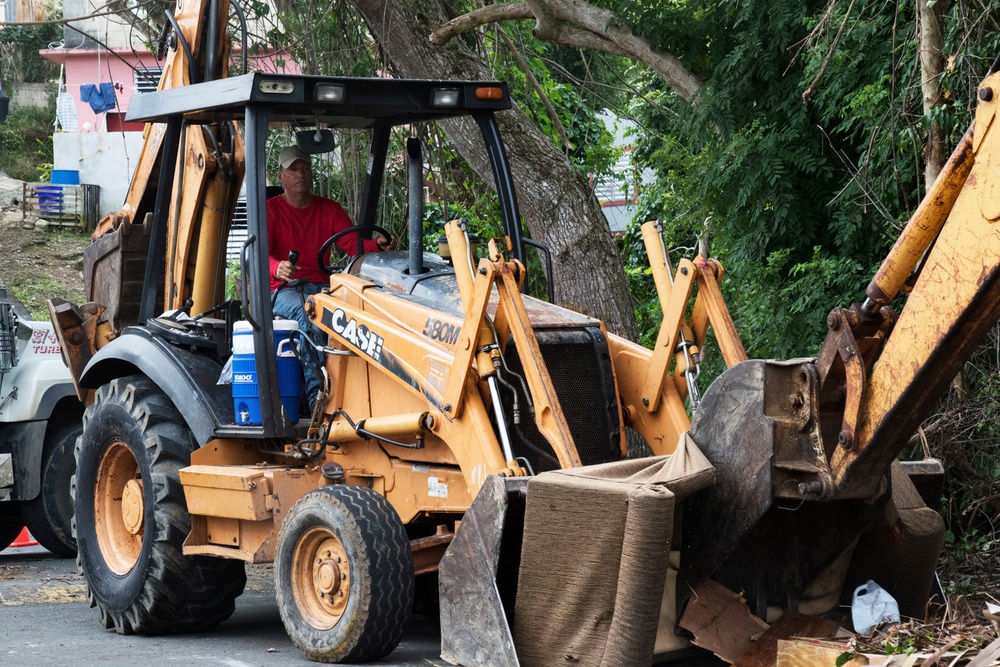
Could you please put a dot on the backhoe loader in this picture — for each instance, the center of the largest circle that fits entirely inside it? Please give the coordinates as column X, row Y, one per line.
column 440, row 378
column 466, row 428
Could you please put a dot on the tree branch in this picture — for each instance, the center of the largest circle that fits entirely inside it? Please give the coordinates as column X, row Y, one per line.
column 811, row 90
column 512, row 11
column 579, row 24
column 133, row 19
column 549, row 109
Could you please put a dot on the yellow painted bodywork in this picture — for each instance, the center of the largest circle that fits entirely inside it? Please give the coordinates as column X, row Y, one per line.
column 652, row 396
column 956, row 270
column 407, row 387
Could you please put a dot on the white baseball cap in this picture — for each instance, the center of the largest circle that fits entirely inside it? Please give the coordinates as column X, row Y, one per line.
column 290, row 154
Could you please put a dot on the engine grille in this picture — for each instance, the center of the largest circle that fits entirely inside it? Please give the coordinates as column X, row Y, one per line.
column 580, row 366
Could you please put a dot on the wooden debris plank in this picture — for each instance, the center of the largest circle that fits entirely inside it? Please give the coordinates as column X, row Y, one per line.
column 764, row 651
column 720, row 621
column 987, row 656
column 805, row 653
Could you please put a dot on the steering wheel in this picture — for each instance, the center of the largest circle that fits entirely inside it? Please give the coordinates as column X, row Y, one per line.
column 331, row 268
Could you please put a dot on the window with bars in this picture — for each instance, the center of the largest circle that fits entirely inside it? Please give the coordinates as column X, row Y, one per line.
column 146, row 79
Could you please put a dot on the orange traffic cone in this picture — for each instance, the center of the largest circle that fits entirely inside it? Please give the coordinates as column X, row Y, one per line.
column 24, row 539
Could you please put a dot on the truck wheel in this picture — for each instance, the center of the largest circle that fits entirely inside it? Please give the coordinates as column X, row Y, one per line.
column 10, row 524
column 131, row 517
column 343, row 575
column 49, row 517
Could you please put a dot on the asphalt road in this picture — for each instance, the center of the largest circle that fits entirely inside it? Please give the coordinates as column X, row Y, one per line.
column 45, row 621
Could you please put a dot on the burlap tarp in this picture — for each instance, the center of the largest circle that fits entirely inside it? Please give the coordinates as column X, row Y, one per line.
column 594, row 558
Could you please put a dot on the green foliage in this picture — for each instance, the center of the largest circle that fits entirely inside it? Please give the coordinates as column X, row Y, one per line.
column 19, row 59
column 35, row 289
column 800, row 199
column 26, row 143
column 782, row 290
column 589, row 142
column 232, row 274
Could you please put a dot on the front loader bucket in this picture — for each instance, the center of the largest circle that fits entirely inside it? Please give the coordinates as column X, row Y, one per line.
column 758, row 424
column 589, row 548
column 476, row 568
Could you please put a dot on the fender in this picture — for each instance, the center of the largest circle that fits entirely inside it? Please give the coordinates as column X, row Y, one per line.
column 187, row 378
column 51, row 398
column 23, row 441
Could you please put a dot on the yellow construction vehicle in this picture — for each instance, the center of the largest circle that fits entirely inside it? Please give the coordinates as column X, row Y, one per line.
column 440, row 378
column 467, row 428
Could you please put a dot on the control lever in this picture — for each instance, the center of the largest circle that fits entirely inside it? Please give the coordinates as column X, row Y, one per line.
column 293, row 258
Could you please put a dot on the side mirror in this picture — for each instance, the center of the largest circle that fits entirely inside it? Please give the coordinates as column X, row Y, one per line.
column 315, row 141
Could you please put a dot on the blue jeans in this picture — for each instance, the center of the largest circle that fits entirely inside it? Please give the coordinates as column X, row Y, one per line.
column 288, row 304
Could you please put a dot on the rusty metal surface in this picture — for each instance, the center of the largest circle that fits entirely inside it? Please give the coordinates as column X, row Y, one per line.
column 114, row 267
column 428, row 551
column 80, row 332
column 758, row 425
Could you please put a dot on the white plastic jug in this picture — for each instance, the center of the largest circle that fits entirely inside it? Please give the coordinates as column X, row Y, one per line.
column 871, row 607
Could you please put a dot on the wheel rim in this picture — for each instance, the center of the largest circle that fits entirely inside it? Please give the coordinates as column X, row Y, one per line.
column 118, row 508
column 321, row 578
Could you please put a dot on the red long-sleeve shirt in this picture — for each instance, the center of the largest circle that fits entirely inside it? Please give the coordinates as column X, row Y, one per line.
column 306, row 230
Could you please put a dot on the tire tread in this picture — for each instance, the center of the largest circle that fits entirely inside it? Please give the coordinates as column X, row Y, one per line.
column 178, row 593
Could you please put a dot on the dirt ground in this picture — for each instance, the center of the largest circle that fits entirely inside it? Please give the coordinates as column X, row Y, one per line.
column 38, row 261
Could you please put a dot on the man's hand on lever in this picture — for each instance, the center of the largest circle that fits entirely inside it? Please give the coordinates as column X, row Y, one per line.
column 287, row 268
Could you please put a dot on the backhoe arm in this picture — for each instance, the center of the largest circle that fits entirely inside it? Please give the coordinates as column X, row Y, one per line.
column 954, row 302
column 173, row 224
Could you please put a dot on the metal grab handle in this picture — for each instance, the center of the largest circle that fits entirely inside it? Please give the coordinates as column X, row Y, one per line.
column 548, row 266
column 251, row 239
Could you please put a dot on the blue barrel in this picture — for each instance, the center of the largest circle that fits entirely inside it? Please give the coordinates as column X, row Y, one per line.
column 50, row 199
column 65, row 176
column 246, row 391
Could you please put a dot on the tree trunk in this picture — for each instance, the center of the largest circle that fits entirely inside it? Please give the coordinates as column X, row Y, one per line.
column 557, row 203
column 931, row 69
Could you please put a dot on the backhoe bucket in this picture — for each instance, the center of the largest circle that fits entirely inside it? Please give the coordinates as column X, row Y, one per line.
column 754, row 531
column 588, row 549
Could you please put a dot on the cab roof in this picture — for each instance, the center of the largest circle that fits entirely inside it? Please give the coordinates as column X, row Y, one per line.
column 336, row 101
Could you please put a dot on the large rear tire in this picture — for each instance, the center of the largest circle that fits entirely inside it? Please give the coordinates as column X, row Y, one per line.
column 132, row 520
column 49, row 516
column 344, row 575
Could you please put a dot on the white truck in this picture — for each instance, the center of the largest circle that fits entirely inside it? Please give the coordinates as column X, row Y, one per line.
column 40, row 419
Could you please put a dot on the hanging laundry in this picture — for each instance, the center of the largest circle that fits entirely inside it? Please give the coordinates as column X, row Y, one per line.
column 100, row 97
column 66, row 112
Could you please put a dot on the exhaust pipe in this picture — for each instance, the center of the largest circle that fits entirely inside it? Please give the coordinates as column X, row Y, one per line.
column 415, row 187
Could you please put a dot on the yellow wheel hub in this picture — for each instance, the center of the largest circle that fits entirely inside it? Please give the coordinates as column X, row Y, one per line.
column 132, row 507
column 321, row 578
column 118, row 508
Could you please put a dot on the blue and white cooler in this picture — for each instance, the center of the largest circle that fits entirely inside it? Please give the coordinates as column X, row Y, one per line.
column 246, row 391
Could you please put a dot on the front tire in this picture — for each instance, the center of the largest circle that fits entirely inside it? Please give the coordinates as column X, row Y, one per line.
column 344, row 575
column 132, row 520
column 49, row 517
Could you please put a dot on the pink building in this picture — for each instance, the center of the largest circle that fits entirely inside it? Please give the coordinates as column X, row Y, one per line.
column 129, row 71
column 102, row 146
